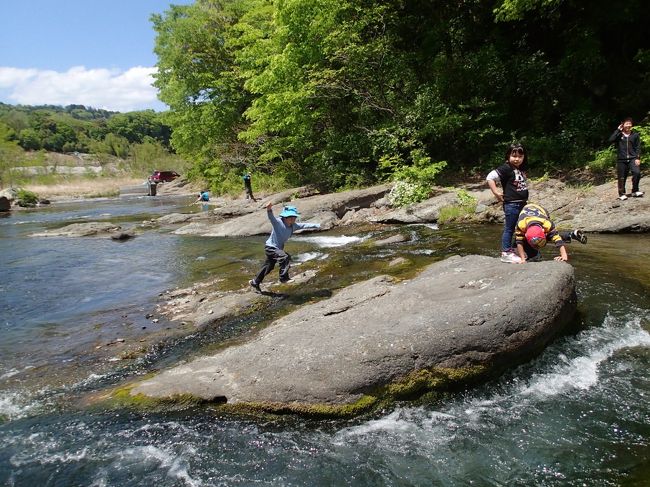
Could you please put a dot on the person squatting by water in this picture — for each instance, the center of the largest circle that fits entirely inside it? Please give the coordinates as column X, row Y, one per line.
column 514, row 194
column 248, row 187
column 283, row 228
column 203, row 196
column 534, row 228
column 628, row 157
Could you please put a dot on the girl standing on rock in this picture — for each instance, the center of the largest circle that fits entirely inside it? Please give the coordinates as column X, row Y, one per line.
column 514, row 195
column 283, row 228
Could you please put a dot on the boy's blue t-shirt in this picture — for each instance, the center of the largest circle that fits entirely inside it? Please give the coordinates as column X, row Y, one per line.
column 205, row 196
column 281, row 233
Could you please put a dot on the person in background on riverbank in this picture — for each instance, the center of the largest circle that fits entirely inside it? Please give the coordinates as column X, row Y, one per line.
column 283, row 228
column 203, row 196
column 534, row 228
column 248, row 187
column 628, row 157
column 513, row 195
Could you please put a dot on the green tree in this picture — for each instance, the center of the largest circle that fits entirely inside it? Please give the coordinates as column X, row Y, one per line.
column 29, row 139
column 116, row 145
column 195, row 78
column 136, row 126
column 10, row 153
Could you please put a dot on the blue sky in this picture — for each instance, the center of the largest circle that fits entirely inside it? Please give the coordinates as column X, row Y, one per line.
column 96, row 53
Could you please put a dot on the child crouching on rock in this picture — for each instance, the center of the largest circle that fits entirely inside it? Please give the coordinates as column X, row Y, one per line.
column 534, row 228
column 283, row 228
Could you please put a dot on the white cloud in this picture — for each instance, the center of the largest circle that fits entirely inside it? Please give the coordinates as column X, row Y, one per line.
column 116, row 90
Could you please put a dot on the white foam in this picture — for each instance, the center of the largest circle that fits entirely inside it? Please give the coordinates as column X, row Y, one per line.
column 13, row 406
column 423, row 252
column 300, row 258
column 582, row 372
column 12, row 372
column 176, row 465
column 325, row 241
column 432, row 226
column 566, row 374
column 91, row 379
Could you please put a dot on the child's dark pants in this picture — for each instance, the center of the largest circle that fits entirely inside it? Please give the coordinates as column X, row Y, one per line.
column 274, row 255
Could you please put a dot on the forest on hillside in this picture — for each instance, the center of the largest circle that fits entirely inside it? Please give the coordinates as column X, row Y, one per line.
column 81, row 129
column 343, row 93
column 139, row 141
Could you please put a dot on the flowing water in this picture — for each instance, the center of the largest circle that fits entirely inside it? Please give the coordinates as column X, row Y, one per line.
column 576, row 415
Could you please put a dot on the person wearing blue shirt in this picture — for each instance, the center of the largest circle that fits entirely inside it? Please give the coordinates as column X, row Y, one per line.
column 283, row 228
column 203, row 196
column 248, row 187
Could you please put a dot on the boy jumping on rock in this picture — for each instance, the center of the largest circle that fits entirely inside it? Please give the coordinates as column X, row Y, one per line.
column 283, row 228
column 534, row 228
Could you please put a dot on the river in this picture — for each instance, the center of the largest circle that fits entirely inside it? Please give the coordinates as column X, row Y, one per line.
column 576, row 415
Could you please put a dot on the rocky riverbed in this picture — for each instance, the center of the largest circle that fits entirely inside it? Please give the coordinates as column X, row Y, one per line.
column 453, row 323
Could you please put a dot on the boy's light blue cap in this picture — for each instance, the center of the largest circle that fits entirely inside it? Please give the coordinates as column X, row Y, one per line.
column 289, row 211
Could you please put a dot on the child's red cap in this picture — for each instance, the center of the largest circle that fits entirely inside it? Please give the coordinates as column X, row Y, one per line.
column 536, row 236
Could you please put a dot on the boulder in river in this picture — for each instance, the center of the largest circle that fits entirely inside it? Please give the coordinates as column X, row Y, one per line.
column 81, row 230
column 461, row 319
column 5, row 204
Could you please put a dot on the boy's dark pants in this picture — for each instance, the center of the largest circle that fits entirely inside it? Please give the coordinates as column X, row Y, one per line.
column 274, row 255
column 623, row 168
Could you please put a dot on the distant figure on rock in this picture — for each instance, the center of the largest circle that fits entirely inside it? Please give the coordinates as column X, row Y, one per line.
column 248, row 187
column 513, row 195
column 283, row 228
column 534, row 228
column 203, row 196
column 628, row 157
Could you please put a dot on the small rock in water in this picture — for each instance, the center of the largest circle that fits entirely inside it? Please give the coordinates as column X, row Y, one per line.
column 155, row 320
column 148, row 315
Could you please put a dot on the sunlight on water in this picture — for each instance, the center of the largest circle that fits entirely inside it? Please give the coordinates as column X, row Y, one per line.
column 575, row 415
column 326, row 241
column 300, row 258
column 432, row 226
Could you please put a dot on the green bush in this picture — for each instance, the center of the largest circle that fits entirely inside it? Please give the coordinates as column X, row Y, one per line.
column 465, row 208
column 603, row 160
column 405, row 193
column 26, row 198
column 413, row 182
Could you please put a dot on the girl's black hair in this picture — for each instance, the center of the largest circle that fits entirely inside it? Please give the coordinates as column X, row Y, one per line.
column 513, row 146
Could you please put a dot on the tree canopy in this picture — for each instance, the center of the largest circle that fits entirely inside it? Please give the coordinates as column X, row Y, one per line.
column 342, row 92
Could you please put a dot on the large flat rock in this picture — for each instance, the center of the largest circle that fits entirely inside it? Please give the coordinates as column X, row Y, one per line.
column 461, row 312
column 325, row 209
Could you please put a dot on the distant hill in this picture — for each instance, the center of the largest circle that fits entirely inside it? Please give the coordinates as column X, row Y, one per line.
column 76, row 128
column 47, row 141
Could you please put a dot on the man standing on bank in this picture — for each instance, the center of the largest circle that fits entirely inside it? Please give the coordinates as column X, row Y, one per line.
column 248, row 187
column 628, row 157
